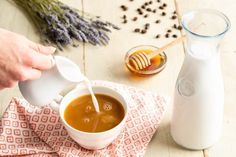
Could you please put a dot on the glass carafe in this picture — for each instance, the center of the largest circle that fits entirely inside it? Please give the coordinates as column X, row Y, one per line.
column 199, row 93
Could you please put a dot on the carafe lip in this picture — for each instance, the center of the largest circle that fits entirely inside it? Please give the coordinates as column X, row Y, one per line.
column 209, row 11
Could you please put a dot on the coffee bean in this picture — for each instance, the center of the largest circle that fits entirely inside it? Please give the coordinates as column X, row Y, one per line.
column 143, row 31
column 174, row 26
column 149, row 9
column 164, row 5
column 158, row 1
column 145, row 16
column 135, row 18
column 174, row 36
column 167, row 35
column 173, row 17
column 131, row 0
column 168, row 30
column 141, row 13
column 147, row 25
column 179, row 27
column 125, row 21
column 136, row 30
column 143, row 6
column 174, row 12
column 124, row 16
column 154, row 10
column 146, row 3
column 157, row 21
column 163, row 13
column 160, row 7
column 158, row 36
column 150, row 2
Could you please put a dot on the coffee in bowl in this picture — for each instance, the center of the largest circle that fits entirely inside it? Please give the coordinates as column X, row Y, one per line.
column 81, row 113
column 96, row 139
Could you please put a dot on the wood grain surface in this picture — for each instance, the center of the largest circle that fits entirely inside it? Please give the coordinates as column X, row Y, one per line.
column 107, row 63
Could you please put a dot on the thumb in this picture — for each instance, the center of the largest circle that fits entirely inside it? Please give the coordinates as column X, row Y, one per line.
column 47, row 50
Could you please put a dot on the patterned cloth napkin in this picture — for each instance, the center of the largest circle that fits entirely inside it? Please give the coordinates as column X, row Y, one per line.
column 29, row 130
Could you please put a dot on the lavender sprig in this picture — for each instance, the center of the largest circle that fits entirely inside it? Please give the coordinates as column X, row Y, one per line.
column 61, row 24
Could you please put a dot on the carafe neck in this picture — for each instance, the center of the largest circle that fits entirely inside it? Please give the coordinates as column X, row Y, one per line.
column 202, row 48
column 204, row 30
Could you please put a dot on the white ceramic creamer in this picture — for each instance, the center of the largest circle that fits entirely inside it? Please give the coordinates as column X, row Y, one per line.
column 44, row 90
column 199, row 93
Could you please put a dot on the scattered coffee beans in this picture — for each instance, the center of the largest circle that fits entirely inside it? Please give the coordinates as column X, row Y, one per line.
column 135, row 18
column 145, row 16
column 158, row 36
column 136, row 30
column 173, row 17
column 152, row 8
column 163, row 13
column 179, row 27
column 147, row 25
column 149, row 9
column 124, row 8
column 174, row 36
column 157, row 21
column 143, row 31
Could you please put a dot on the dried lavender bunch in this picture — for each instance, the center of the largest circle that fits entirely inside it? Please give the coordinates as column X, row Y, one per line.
column 63, row 25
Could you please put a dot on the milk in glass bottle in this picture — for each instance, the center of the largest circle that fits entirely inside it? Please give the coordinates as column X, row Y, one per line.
column 199, row 93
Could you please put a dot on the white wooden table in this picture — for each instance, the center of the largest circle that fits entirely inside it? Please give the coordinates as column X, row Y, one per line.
column 107, row 63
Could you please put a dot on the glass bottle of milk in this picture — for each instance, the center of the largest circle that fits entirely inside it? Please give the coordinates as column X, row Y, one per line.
column 199, row 93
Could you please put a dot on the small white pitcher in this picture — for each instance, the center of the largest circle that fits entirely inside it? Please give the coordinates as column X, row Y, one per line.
column 44, row 90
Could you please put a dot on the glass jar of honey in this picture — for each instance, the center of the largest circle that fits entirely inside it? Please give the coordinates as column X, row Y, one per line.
column 157, row 63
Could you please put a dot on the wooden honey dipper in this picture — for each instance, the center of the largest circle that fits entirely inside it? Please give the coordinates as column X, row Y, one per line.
column 142, row 60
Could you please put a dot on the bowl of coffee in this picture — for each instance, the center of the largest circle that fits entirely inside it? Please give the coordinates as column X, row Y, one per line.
column 90, row 128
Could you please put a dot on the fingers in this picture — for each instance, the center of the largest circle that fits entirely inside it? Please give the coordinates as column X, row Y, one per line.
column 47, row 50
column 38, row 56
column 38, row 61
column 6, row 80
column 30, row 74
column 22, row 74
column 7, row 83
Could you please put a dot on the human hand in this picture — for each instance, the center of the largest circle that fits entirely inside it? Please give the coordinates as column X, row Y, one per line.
column 21, row 59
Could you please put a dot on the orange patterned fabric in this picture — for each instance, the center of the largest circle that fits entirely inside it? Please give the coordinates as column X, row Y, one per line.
column 29, row 130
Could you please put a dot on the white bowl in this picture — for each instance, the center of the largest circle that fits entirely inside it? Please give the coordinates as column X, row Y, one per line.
column 96, row 140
